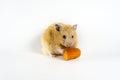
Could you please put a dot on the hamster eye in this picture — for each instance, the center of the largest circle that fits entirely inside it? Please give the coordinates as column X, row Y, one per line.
column 72, row 36
column 64, row 36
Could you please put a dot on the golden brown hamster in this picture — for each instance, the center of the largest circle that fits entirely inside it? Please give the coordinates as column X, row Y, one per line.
column 57, row 37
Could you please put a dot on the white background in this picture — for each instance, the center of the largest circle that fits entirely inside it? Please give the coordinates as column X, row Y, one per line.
column 23, row 21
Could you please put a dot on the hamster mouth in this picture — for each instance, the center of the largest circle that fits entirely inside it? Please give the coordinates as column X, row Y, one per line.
column 63, row 47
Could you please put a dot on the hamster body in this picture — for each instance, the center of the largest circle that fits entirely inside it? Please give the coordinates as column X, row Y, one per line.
column 57, row 37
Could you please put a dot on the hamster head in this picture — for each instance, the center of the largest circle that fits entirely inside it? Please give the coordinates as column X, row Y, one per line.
column 67, row 34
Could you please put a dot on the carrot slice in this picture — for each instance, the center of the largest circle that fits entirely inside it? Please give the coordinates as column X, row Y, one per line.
column 71, row 53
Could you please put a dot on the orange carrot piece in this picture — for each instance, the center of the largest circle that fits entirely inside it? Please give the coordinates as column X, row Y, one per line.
column 71, row 53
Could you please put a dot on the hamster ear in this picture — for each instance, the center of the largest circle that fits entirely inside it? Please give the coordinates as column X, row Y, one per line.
column 75, row 26
column 57, row 26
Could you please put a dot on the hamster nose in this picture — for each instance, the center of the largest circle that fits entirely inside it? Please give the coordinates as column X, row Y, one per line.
column 68, row 45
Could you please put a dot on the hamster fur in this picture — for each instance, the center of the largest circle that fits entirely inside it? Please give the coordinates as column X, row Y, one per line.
column 57, row 37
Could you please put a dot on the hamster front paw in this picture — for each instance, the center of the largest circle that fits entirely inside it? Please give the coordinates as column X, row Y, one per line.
column 56, row 55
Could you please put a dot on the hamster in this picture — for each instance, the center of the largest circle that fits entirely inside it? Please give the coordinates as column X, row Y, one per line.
column 57, row 37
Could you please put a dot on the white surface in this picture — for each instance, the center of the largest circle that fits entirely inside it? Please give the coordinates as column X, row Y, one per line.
column 23, row 21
